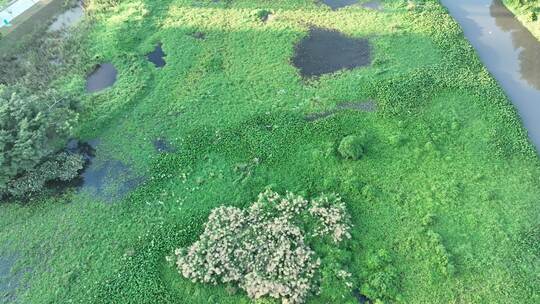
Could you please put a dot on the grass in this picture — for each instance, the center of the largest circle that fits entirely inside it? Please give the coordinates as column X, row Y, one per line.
column 524, row 13
column 444, row 201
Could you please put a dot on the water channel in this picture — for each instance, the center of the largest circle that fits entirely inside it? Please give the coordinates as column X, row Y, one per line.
column 508, row 50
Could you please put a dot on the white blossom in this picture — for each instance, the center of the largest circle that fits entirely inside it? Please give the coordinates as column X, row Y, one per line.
column 262, row 249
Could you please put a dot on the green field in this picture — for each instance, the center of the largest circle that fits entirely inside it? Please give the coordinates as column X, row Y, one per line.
column 444, row 203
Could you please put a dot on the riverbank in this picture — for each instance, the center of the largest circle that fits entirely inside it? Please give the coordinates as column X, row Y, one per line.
column 443, row 200
column 524, row 14
column 508, row 50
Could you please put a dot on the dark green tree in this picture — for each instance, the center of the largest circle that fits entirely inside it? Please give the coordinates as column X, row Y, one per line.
column 32, row 130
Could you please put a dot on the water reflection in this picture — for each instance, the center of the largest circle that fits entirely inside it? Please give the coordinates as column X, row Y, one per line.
column 337, row 4
column 157, row 56
column 508, row 50
column 374, row 5
column 68, row 18
column 524, row 42
column 107, row 179
column 103, row 76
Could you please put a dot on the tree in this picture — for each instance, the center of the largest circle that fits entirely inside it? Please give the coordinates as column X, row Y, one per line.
column 32, row 129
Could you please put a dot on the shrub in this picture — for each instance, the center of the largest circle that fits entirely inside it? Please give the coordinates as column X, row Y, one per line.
column 411, row 5
column 352, row 147
column 63, row 167
column 32, row 128
column 264, row 249
column 381, row 282
column 262, row 14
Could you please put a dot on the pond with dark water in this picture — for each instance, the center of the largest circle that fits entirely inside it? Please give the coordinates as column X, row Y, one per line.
column 337, row 4
column 508, row 50
column 103, row 76
column 110, row 180
column 325, row 51
column 107, row 179
column 161, row 145
column 157, row 56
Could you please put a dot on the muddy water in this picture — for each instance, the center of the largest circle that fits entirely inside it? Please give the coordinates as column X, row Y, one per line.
column 107, row 179
column 9, row 280
column 337, row 4
column 110, row 180
column 162, row 145
column 325, row 51
column 509, row 51
column 374, row 5
column 102, row 77
column 157, row 56
column 68, row 18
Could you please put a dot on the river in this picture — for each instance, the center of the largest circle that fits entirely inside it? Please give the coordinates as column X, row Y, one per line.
column 508, row 50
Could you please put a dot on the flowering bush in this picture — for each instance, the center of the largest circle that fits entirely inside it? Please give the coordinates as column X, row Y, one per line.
column 263, row 249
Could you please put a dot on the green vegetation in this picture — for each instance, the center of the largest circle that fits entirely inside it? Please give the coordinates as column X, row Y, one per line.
column 352, row 147
column 33, row 127
column 35, row 118
column 527, row 12
column 445, row 208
